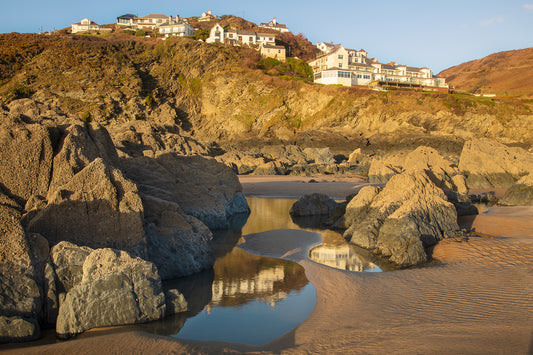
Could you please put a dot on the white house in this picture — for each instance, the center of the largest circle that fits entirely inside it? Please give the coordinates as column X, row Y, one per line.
column 236, row 37
column 274, row 25
column 127, row 20
column 347, row 67
column 85, row 25
column 207, row 16
column 176, row 28
column 150, row 22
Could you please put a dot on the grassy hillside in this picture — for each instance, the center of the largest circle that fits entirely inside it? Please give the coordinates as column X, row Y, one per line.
column 229, row 94
column 506, row 73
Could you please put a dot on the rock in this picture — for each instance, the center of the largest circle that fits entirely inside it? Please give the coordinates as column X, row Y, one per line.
column 489, row 164
column 383, row 168
column 78, row 147
column 175, row 302
column 18, row 329
column 241, row 163
column 319, row 156
column 116, row 289
column 289, row 154
column 520, row 194
column 203, row 188
column 67, row 260
column 271, row 168
column 26, row 156
column 178, row 244
column 355, row 156
column 20, row 294
column 410, row 214
column 312, row 205
column 97, row 207
column 146, row 138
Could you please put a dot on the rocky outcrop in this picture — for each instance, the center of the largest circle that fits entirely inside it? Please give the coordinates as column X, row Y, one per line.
column 97, row 207
column 20, row 292
column 520, row 194
column 115, row 289
column 175, row 302
column 67, row 259
column 489, row 164
column 383, row 168
column 410, row 214
column 202, row 187
column 313, row 205
column 26, row 156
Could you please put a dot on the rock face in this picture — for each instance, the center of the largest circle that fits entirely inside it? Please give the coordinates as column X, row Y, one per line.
column 312, row 205
column 97, row 207
column 68, row 259
column 20, row 294
column 400, row 221
column 26, row 156
column 175, row 302
column 489, row 164
column 520, row 194
column 115, row 289
column 202, row 187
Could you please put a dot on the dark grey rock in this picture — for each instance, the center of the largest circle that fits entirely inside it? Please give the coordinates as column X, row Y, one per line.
column 314, row 204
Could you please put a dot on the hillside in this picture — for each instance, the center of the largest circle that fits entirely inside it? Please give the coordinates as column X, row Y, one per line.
column 228, row 96
column 506, row 73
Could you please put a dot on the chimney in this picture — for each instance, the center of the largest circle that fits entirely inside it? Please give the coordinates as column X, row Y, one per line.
column 209, row 12
column 274, row 21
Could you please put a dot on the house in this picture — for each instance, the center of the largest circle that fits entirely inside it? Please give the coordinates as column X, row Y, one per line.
column 274, row 25
column 176, row 27
column 341, row 66
column 127, row 20
column 207, row 16
column 271, row 51
column 325, row 47
column 237, row 37
column 150, row 22
column 85, row 25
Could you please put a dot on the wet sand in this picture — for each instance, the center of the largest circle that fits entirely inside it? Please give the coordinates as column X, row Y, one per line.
column 477, row 300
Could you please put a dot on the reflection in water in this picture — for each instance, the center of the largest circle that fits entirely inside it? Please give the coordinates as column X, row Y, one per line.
column 254, row 299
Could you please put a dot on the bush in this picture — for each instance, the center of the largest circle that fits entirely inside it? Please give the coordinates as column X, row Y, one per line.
column 140, row 33
column 148, row 100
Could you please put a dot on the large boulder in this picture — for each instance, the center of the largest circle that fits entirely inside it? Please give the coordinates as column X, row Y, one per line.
column 313, row 205
column 319, row 156
column 410, row 214
column 178, row 244
column 115, row 289
column 203, row 188
column 383, row 168
column 520, row 194
column 20, row 294
column 489, row 164
column 97, row 207
column 67, row 260
column 26, row 155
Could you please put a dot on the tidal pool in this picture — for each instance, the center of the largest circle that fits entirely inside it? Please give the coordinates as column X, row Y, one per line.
column 254, row 299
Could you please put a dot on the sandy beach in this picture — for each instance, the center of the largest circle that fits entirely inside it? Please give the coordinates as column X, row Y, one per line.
column 476, row 300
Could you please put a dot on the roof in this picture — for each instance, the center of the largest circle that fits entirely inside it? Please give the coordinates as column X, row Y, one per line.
column 250, row 33
column 173, row 23
column 127, row 16
column 156, row 16
column 270, row 24
column 265, row 34
column 413, row 69
column 274, row 47
column 92, row 23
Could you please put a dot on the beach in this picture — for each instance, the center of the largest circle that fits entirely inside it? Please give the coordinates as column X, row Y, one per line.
column 476, row 299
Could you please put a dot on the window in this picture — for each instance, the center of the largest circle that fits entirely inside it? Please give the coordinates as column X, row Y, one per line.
column 230, row 35
column 279, row 51
column 340, row 65
column 344, row 74
column 359, row 76
column 340, row 56
column 240, row 38
column 366, row 76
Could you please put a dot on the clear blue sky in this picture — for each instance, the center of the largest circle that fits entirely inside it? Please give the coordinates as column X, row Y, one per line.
column 433, row 33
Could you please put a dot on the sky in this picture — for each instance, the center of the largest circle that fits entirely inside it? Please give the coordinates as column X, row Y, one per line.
column 437, row 34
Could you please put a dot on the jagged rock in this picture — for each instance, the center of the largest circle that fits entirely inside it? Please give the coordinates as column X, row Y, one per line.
column 116, row 289
column 241, row 163
column 312, row 205
column 143, row 138
column 271, row 168
column 355, row 156
column 408, row 215
column 203, row 188
column 18, row 329
column 67, row 260
column 288, row 154
column 520, row 194
column 78, row 147
column 98, row 207
column 20, row 294
column 26, row 156
column 175, row 302
column 489, row 164
column 383, row 168
column 319, row 156
column 178, row 244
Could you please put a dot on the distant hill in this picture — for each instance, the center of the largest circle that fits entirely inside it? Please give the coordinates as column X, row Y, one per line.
column 505, row 73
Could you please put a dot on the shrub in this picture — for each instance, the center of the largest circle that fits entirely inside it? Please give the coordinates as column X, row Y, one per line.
column 140, row 33
column 148, row 100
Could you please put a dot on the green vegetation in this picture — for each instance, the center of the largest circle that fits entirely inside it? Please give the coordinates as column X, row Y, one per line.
column 202, row 34
column 141, row 33
column 86, row 117
column 292, row 68
column 148, row 100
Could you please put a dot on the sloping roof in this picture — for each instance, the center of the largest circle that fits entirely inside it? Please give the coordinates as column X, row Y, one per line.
column 274, row 47
column 249, row 33
column 414, row 69
column 127, row 17
column 270, row 24
column 158, row 16
column 92, row 23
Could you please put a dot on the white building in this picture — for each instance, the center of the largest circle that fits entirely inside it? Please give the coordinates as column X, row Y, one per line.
column 207, row 16
column 236, row 37
column 340, row 66
column 176, row 28
column 85, row 25
column 274, row 25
